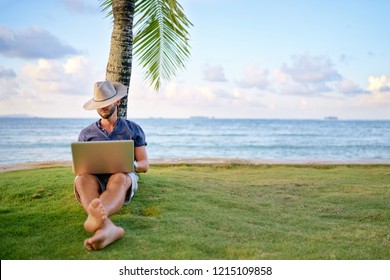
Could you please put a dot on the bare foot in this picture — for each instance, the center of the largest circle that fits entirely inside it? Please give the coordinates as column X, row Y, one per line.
column 96, row 215
column 104, row 236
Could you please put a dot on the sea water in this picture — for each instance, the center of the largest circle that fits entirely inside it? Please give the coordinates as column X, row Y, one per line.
column 42, row 139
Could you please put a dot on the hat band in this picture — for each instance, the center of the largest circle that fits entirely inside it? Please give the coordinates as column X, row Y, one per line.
column 105, row 99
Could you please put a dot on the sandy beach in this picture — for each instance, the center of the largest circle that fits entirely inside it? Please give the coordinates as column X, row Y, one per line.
column 33, row 165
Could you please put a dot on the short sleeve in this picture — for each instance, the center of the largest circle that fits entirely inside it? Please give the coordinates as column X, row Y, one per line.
column 138, row 135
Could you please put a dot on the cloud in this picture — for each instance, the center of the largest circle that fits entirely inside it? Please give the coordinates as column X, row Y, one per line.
column 79, row 7
column 349, row 87
column 214, row 73
column 385, row 89
column 8, row 84
column 75, row 76
column 50, row 88
column 254, row 77
column 178, row 99
column 379, row 84
column 376, row 104
column 32, row 43
column 7, row 73
column 307, row 75
column 8, row 88
column 311, row 69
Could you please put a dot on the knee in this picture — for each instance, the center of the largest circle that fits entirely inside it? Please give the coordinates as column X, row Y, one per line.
column 86, row 180
column 122, row 179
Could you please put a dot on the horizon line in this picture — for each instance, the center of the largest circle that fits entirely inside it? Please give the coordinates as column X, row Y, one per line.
column 325, row 118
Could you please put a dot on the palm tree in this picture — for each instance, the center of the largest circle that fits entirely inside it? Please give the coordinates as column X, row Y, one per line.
column 160, row 41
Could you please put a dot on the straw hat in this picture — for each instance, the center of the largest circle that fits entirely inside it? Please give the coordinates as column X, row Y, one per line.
column 105, row 93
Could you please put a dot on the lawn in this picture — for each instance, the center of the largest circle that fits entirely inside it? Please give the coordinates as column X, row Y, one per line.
column 218, row 211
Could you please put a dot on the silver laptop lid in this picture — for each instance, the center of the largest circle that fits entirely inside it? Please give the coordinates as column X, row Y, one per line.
column 103, row 157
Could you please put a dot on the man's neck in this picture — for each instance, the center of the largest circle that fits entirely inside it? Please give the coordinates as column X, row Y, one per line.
column 110, row 123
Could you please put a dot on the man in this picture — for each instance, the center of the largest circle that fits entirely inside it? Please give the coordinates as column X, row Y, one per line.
column 103, row 195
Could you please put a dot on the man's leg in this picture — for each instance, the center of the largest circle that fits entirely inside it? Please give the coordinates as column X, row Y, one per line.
column 111, row 200
column 114, row 195
column 88, row 191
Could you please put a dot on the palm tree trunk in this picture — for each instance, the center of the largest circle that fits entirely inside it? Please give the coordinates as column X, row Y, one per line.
column 121, row 49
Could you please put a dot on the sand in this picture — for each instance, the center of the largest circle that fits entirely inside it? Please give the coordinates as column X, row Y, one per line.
column 34, row 165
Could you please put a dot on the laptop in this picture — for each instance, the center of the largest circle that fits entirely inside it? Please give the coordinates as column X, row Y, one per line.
column 103, row 157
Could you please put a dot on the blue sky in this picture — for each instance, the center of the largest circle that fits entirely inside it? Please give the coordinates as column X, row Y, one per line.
column 249, row 59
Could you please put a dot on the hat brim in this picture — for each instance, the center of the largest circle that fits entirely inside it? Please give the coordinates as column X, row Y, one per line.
column 121, row 91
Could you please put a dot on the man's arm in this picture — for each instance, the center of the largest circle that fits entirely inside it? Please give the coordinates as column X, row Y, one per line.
column 141, row 158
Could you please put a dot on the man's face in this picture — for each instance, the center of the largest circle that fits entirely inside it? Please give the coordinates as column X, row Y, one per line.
column 106, row 112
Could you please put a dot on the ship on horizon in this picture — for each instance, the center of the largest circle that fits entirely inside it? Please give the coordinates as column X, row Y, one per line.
column 331, row 118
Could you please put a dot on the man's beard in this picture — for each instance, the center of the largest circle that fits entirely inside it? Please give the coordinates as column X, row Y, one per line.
column 107, row 114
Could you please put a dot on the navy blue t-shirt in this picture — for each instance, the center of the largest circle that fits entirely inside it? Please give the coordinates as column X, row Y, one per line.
column 124, row 130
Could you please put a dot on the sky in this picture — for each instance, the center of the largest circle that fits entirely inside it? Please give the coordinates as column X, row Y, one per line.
column 249, row 59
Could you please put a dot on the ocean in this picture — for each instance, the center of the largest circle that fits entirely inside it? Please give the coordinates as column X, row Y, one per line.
column 25, row 140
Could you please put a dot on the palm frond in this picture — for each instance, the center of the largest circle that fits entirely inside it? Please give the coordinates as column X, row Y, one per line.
column 106, row 6
column 161, row 39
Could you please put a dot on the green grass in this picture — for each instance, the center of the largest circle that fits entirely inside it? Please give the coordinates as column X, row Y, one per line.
column 208, row 212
